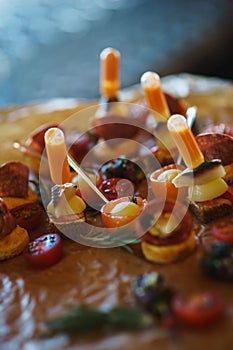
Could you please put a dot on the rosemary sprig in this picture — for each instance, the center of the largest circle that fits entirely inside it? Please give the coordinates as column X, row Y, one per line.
column 83, row 319
column 128, row 248
column 119, row 236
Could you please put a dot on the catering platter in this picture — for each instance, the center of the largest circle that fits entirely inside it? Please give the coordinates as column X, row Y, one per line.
column 99, row 277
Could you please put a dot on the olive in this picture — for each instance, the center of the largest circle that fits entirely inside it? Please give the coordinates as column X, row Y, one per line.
column 218, row 262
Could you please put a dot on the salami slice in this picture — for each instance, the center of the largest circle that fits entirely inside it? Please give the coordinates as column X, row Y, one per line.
column 7, row 221
column 14, row 180
column 216, row 146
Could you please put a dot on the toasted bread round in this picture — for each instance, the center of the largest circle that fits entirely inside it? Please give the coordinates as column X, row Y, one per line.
column 12, row 202
column 169, row 253
column 14, row 243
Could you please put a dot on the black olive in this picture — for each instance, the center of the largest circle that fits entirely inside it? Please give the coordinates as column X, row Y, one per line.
column 218, row 262
column 152, row 293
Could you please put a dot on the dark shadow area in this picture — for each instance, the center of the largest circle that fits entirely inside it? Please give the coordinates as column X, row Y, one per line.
column 51, row 48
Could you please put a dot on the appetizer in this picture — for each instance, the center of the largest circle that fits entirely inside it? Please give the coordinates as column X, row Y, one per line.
column 65, row 206
column 115, row 119
column 14, row 185
column 170, row 236
column 204, row 179
column 162, row 105
column 13, row 238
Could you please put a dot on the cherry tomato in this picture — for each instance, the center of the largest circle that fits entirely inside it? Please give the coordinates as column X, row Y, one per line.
column 112, row 220
column 44, row 251
column 165, row 188
column 223, row 230
column 28, row 215
column 108, row 188
column 115, row 187
column 36, row 138
column 199, row 309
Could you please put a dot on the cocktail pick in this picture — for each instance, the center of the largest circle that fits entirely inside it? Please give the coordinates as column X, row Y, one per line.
column 74, row 165
column 185, row 141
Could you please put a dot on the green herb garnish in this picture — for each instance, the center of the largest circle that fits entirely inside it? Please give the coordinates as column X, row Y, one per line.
column 119, row 236
column 84, row 319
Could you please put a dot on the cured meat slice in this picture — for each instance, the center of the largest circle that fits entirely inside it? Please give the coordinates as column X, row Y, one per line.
column 7, row 221
column 216, row 146
column 14, row 180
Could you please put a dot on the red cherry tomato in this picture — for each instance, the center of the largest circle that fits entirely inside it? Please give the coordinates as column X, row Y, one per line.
column 223, row 230
column 199, row 309
column 36, row 138
column 115, row 187
column 28, row 215
column 44, row 251
column 111, row 220
column 108, row 188
column 166, row 187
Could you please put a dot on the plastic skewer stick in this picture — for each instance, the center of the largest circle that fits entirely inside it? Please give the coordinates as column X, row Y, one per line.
column 150, row 82
column 109, row 73
column 57, row 156
column 185, row 141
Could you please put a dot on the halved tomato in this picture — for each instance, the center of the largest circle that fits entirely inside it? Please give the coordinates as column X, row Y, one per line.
column 198, row 309
column 115, row 187
column 28, row 215
column 44, row 251
column 128, row 211
column 108, row 188
column 36, row 138
column 223, row 229
column 161, row 183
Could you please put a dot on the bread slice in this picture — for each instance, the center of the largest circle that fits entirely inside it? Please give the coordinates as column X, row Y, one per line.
column 211, row 210
column 14, row 243
column 12, row 202
column 169, row 253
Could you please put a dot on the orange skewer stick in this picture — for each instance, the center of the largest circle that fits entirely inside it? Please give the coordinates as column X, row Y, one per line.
column 155, row 98
column 57, row 156
column 185, row 141
column 109, row 73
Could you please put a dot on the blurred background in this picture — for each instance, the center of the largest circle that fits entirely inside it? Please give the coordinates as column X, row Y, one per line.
column 51, row 48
